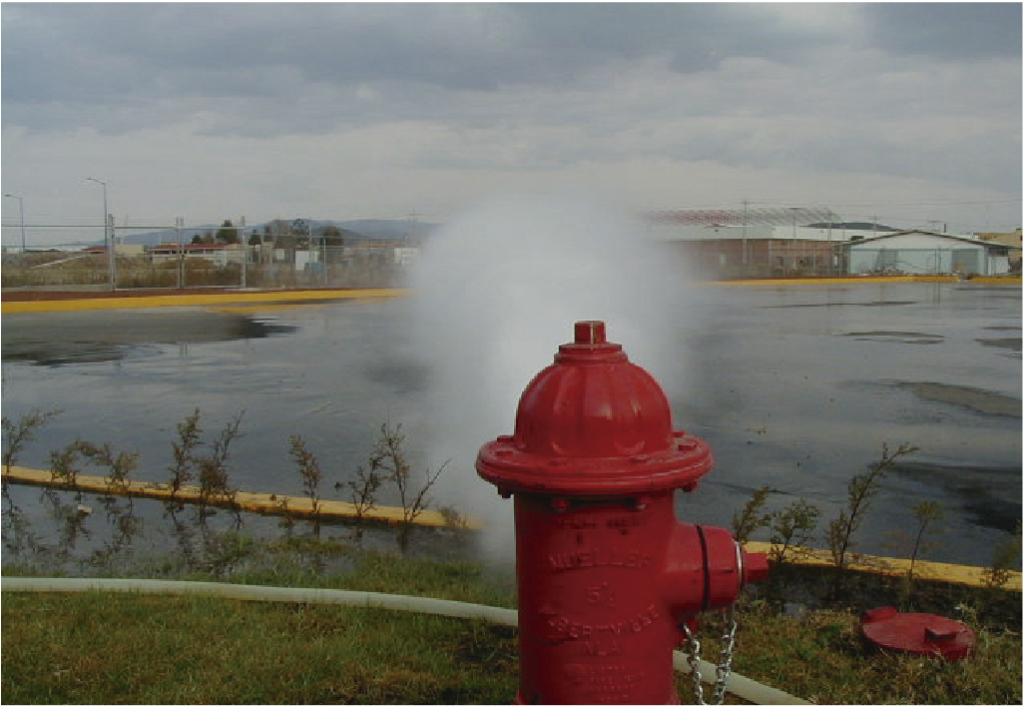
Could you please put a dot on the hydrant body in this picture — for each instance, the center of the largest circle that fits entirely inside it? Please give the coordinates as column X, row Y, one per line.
column 606, row 574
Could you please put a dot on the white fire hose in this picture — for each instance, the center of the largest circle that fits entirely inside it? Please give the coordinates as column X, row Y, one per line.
column 741, row 686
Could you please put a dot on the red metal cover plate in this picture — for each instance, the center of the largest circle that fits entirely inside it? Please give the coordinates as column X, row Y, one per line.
column 918, row 633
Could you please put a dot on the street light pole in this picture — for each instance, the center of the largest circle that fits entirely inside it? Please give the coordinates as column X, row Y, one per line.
column 792, row 242
column 21, row 214
column 108, row 239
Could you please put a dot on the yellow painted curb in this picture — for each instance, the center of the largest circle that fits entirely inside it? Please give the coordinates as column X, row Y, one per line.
column 260, row 503
column 276, row 297
column 830, row 280
column 997, row 280
column 334, row 510
column 222, row 302
column 888, row 566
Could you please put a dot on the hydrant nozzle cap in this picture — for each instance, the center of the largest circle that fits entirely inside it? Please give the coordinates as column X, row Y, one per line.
column 755, row 566
column 594, row 423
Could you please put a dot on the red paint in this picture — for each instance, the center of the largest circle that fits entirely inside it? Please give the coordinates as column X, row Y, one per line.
column 606, row 573
column 919, row 633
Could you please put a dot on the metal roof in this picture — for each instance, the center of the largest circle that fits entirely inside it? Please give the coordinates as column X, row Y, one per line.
column 749, row 216
column 948, row 236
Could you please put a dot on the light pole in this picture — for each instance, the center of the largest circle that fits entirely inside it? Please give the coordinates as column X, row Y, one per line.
column 792, row 243
column 744, row 254
column 108, row 240
column 21, row 214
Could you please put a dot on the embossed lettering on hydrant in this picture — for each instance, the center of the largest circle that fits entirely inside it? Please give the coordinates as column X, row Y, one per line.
column 609, row 683
column 563, row 628
column 597, row 557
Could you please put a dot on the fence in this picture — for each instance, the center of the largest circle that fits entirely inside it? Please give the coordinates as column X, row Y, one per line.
column 281, row 261
column 734, row 259
column 930, row 261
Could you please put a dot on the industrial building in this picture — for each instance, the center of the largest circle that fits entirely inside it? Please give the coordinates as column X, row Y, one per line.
column 808, row 242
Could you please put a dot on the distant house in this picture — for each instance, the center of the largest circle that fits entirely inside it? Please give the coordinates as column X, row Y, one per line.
column 922, row 252
column 1012, row 239
column 219, row 253
column 130, row 249
column 122, row 250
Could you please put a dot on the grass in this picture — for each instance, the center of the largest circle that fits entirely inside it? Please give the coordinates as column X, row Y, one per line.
column 114, row 648
column 103, row 648
column 820, row 657
column 122, row 648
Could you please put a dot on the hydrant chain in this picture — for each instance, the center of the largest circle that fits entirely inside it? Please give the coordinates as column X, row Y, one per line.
column 723, row 669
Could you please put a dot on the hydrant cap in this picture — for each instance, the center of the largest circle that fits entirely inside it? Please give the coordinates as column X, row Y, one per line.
column 918, row 633
column 593, row 423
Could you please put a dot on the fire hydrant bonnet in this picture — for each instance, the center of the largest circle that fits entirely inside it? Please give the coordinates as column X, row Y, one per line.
column 581, row 416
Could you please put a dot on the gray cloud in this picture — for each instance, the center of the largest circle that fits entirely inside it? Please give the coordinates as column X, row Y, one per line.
column 947, row 31
column 131, row 56
column 901, row 90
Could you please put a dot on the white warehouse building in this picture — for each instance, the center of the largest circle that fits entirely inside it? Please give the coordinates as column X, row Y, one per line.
column 922, row 252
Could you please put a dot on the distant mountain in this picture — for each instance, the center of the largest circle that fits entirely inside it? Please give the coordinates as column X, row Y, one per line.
column 378, row 229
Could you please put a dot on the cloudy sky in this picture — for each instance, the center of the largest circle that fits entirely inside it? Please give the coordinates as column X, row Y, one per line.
column 905, row 112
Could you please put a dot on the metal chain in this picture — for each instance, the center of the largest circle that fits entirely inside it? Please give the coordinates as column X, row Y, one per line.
column 722, row 669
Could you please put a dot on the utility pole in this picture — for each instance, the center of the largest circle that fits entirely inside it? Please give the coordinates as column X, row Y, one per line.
column 831, row 252
column 179, row 223
column 792, row 243
column 21, row 214
column 108, row 234
column 745, row 258
column 245, row 251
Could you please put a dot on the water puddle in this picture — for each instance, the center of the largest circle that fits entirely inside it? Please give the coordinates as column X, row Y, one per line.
column 1012, row 344
column 834, row 304
column 897, row 337
column 983, row 401
column 977, row 488
column 55, row 339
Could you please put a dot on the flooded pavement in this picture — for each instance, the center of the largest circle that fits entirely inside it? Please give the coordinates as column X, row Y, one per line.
column 984, row 401
column 797, row 388
column 61, row 338
column 807, row 387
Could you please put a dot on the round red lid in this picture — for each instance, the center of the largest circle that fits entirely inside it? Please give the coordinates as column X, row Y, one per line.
column 920, row 633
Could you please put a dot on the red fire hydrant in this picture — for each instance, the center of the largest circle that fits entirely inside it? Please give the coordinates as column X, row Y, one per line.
column 606, row 574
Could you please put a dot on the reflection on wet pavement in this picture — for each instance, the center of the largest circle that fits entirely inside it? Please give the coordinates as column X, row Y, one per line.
column 973, row 486
column 984, row 401
column 896, row 336
column 833, row 304
column 61, row 338
column 1012, row 344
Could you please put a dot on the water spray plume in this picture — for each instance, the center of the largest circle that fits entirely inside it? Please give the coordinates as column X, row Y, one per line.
column 498, row 289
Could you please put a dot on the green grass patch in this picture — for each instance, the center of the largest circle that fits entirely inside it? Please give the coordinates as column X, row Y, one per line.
column 131, row 648
column 121, row 648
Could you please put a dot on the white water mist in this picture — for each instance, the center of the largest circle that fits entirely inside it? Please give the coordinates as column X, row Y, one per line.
column 497, row 290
